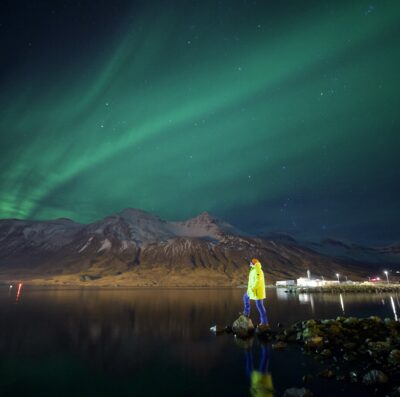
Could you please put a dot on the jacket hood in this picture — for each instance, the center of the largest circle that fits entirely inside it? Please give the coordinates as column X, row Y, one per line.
column 257, row 266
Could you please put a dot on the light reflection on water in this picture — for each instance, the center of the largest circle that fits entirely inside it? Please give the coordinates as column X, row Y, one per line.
column 394, row 308
column 360, row 304
column 103, row 342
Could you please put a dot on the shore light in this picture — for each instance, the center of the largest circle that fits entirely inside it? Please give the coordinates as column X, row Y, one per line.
column 387, row 275
column 337, row 275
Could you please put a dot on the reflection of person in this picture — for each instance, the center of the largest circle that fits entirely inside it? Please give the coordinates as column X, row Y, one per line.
column 256, row 291
column 261, row 379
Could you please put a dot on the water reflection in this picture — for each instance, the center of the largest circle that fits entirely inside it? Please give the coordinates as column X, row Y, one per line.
column 261, row 384
column 307, row 299
column 312, row 303
column 348, row 303
column 98, row 342
column 341, row 302
column 18, row 292
column 394, row 308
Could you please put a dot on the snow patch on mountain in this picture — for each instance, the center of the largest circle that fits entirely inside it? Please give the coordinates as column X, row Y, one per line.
column 86, row 244
column 124, row 245
column 105, row 245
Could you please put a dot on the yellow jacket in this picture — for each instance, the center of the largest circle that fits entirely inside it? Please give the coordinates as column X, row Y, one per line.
column 261, row 385
column 256, row 286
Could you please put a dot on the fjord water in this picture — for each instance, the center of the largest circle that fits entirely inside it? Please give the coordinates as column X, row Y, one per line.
column 156, row 342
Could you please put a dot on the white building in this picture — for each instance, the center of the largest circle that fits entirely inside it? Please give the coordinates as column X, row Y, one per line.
column 332, row 282
column 285, row 283
column 307, row 282
column 316, row 282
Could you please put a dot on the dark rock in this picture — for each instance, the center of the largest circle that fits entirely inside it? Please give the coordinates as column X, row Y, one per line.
column 289, row 331
column 349, row 357
column 307, row 378
column 379, row 346
column 350, row 346
column 353, row 376
column 326, row 373
column 291, row 338
column 243, row 326
column 264, row 330
column 281, row 337
column 297, row 392
column 326, row 353
column 316, row 341
column 334, row 329
column 279, row 345
column 387, row 321
column 244, row 343
column 395, row 392
column 375, row 377
column 375, row 319
column 394, row 357
column 351, row 321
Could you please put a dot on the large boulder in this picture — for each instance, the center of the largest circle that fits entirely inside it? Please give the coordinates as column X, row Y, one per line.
column 243, row 326
column 375, row 377
column 394, row 357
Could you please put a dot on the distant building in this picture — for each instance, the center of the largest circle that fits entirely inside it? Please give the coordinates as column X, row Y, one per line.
column 285, row 283
column 307, row 282
column 331, row 282
column 316, row 282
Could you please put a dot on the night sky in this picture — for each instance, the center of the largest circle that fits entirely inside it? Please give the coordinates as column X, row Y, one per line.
column 273, row 115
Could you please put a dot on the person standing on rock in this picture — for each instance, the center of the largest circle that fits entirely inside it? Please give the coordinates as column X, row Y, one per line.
column 256, row 291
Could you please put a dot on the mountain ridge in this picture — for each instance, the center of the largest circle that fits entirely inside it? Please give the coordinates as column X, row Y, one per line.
column 135, row 247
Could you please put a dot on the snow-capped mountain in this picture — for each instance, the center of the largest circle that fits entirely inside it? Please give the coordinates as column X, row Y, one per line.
column 203, row 250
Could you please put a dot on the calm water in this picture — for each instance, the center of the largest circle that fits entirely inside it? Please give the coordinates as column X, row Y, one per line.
column 155, row 342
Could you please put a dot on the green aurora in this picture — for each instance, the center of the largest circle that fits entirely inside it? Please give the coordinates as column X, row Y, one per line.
column 273, row 118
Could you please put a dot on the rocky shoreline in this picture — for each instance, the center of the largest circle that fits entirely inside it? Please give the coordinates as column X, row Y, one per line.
column 365, row 350
column 354, row 349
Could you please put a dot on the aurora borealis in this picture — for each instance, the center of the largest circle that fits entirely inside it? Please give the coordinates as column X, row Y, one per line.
column 276, row 116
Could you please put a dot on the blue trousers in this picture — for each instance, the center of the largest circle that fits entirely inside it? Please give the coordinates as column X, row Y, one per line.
column 260, row 307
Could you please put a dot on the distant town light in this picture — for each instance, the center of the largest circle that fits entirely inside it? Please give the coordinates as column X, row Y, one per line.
column 337, row 275
column 387, row 275
column 374, row 279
